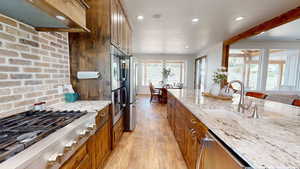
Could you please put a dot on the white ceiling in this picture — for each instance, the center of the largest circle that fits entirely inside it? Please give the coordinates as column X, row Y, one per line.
column 174, row 30
column 287, row 32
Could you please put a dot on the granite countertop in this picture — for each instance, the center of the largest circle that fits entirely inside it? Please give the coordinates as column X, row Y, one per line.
column 270, row 142
column 81, row 105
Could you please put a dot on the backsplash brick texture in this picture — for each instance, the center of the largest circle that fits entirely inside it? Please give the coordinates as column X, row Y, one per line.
column 32, row 66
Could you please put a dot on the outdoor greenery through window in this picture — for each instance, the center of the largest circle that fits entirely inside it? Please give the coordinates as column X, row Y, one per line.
column 152, row 71
column 244, row 66
column 278, row 73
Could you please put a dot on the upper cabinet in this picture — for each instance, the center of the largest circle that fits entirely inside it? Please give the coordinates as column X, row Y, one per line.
column 48, row 15
column 121, row 33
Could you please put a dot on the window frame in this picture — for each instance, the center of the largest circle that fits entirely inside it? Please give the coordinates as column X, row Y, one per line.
column 183, row 68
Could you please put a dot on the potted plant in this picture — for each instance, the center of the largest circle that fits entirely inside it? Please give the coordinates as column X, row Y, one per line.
column 218, row 77
column 166, row 73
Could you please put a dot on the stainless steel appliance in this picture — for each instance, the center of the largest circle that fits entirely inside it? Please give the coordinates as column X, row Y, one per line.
column 18, row 132
column 119, row 103
column 130, row 125
column 119, row 89
column 115, row 68
column 123, row 87
column 215, row 155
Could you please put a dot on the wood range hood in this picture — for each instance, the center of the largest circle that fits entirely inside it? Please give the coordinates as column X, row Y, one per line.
column 48, row 15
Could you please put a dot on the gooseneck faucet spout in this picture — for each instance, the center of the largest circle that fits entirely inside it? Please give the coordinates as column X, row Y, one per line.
column 242, row 94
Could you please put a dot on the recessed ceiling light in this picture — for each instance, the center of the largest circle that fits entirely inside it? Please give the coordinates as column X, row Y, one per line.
column 239, row 18
column 60, row 17
column 156, row 16
column 187, row 47
column 140, row 17
column 195, row 20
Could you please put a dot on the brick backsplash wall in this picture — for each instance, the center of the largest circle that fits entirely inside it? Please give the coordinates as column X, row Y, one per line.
column 32, row 66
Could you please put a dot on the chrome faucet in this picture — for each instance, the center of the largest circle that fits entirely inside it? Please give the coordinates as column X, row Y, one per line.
column 242, row 94
column 242, row 106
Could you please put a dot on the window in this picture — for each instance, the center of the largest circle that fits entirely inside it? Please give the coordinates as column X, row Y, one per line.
column 265, row 69
column 244, row 66
column 177, row 71
column 282, row 69
column 152, row 71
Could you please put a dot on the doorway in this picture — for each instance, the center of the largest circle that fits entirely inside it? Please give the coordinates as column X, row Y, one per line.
column 200, row 73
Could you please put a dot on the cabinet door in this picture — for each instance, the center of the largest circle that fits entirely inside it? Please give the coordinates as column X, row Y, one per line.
column 76, row 160
column 118, row 130
column 85, row 163
column 180, row 130
column 114, row 22
column 102, row 145
column 192, row 148
column 120, row 24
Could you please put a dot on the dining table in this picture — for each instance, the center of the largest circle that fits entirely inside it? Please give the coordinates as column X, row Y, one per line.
column 164, row 92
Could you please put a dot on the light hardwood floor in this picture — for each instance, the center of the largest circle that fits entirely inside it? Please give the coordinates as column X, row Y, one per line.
column 151, row 146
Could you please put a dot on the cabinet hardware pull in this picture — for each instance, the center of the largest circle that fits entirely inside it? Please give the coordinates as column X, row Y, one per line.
column 193, row 121
column 55, row 158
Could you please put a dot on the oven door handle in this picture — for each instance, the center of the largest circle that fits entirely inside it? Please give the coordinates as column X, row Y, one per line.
column 126, row 96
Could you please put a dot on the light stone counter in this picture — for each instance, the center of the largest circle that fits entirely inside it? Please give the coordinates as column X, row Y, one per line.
column 270, row 142
column 89, row 106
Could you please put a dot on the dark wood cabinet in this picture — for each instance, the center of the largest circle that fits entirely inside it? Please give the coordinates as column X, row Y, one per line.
column 188, row 131
column 102, row 146
column 199, row 147
column 80, row 159
column 121, row 33
column 114, row 22
column 118, row 130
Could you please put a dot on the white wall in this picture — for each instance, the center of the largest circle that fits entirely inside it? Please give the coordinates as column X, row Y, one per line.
column 214, row 61
column 190, row 61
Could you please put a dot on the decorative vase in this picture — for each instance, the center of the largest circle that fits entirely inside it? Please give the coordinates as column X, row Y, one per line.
column 215, row 89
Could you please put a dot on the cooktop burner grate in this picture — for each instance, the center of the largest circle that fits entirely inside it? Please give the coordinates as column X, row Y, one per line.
column 20, row 131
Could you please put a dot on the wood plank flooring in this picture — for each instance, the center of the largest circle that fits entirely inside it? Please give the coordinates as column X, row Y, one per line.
column 152, row 145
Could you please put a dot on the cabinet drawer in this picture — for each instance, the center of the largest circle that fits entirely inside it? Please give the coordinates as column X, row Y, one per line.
column 76, row 159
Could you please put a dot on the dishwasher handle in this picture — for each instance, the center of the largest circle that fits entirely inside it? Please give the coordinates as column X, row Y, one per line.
column 203, row 144
column 211, row 140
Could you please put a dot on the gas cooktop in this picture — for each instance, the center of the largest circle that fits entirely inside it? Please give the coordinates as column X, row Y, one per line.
column 20, row 131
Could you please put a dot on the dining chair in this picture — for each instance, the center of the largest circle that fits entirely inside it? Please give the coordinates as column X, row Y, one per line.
column 154, row 93
column 256, row 95
column 296, row 103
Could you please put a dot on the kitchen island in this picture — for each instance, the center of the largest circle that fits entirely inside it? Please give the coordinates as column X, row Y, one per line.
column 269, row 142
column 59, row 149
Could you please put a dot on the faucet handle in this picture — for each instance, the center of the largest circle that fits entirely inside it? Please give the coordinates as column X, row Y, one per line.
column 252, row 110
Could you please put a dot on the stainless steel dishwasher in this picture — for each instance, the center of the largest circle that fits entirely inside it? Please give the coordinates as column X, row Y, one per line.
column 214, row 155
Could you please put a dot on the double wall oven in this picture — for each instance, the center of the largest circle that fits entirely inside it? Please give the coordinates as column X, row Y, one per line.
column 123, row 87
column 119, row 90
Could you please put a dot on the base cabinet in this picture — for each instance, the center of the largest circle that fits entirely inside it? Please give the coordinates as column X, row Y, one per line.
column 188, row 131
column 199, row 147
column 80, row 160
column 118, row 130
column 102, row 146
